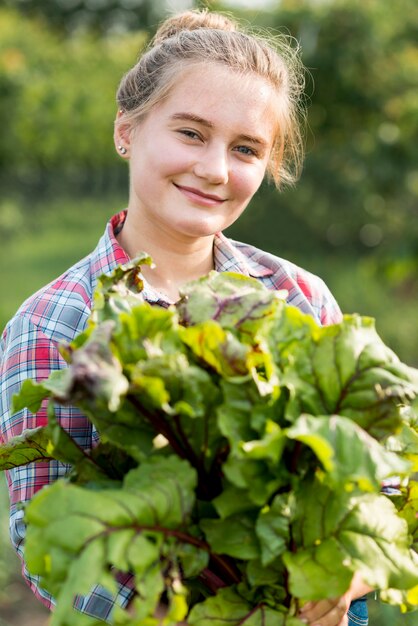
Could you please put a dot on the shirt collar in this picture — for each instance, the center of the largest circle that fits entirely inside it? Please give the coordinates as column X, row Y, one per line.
column 229, row 258
column 108, row 253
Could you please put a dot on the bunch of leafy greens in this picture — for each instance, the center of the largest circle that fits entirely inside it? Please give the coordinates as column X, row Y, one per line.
column 241, row 459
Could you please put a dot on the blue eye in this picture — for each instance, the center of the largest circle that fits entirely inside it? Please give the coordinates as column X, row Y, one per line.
column 190, row 133
column 246, row 150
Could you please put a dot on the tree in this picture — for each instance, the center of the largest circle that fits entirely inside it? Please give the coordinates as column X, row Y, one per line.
column 359, row 189
column 100, row 16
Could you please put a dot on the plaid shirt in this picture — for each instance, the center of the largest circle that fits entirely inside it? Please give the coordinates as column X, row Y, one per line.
column 59, row 312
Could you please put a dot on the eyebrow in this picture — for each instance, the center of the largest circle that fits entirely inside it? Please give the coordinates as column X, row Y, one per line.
column 201, row 120
column 192, row 118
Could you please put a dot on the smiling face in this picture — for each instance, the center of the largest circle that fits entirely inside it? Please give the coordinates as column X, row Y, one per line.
column 199, row 156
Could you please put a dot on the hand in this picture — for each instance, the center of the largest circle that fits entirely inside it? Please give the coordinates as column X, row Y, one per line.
column 333, row 611
column 329, row 612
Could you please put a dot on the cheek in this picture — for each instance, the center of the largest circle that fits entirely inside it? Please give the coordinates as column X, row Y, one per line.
column 247, row 182
column 170, row 161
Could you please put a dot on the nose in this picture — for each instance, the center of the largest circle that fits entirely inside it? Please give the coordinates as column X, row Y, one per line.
column 212, row 165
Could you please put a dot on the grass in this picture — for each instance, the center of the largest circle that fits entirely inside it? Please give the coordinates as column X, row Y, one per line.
column 47, row 241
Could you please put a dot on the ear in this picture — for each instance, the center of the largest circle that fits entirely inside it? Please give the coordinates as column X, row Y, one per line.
column 122, row 135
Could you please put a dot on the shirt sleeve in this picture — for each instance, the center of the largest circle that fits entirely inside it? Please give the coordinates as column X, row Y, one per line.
column 310, row 293
column 26, row 352
column 330, row 312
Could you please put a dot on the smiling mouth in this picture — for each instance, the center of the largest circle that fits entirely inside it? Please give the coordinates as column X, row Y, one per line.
column 190, row 191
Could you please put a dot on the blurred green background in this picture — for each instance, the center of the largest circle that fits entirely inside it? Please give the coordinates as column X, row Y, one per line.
column 352, row 218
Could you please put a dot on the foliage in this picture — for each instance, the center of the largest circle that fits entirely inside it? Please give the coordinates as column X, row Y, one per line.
column 53, row 234
column 4, row 575
column 103, row 16
column 241, row 458
column 18, row 605
column 302, row 223
column 358, row 193
column 58, row 102
column 359, row 189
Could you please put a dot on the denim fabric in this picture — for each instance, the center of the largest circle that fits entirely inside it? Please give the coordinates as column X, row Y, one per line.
column 357, row 613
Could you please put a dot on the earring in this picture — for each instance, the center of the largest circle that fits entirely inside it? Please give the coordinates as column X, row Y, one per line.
column 122, row 149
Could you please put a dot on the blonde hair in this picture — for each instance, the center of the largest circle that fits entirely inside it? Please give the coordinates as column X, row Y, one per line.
column 199, row 36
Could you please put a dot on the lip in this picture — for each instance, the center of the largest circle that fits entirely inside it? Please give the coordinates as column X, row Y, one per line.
column 196, row 194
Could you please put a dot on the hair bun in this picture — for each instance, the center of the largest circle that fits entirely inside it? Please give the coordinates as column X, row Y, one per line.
column 192, row 20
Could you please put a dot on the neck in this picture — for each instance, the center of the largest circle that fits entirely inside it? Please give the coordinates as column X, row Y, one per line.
column 177, row 259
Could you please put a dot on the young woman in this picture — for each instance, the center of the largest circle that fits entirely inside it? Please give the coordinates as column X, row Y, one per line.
column 202, row 117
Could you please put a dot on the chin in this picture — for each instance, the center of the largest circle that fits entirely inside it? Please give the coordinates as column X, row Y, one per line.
column 202, row 229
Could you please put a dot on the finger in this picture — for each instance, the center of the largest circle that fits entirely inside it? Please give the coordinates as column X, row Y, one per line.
column 344, row 621
column 326, row 613
column 316, row 610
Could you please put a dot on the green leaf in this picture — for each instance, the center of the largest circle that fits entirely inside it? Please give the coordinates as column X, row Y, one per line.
column 149, row 585
column 94, row 381
column 255, row 477
column 168, row 485
column 347, row 453
column 228, row 608
column 273, row 529
column 112, row 460
column 290, row 329
column 75, row 618
column 144, row 332
column 405, row 443
column 256, row 442
column 170, row 383
column 287, row 427
column 31, row 446
column 245, row 416
column 65, row 449
column 270, row 446
column 30, row 396
column 232, row 501
column 84, row 572
column 341, row 533
column 46, row 443
column 193, row 560
column 346, row 369
column 407, row 505
column 271, row 578
column 318, row 572
column 132, row 529
column 233, row 300
column 125, row 428
column 234, row 536
column 142, row 554
column 118, row 548
column 218, row 348
column 120, row 290
column 406, row 600
column 236, row 414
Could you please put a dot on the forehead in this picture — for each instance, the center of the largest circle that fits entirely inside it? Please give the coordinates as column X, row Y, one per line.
column 242, row 103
